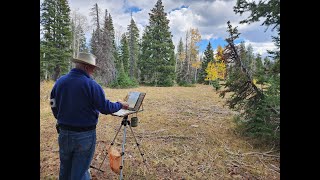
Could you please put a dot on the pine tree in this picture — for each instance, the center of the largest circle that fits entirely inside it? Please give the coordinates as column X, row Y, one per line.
column 108, row 49
column 133, row 33
column 124, row 53
column 259, row 110
column 110, row 27
column 157, row 63
column 259, row 73
column 102, row 47
column 83, row 44
column 96, row 44
column 123, row 80
column 48, row 48
column 249, row 61
column 55, row 19
column 208, row 57
column 180, row 57
column 145, row 63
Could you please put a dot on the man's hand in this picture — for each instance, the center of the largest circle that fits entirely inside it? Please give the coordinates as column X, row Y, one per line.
column 125, row 105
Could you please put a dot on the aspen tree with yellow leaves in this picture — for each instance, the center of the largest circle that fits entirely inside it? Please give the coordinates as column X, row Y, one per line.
column 190, row 65
column 220, row 58
column 215, row 72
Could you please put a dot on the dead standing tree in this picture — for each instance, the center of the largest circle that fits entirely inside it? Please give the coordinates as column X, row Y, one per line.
column 102, row 48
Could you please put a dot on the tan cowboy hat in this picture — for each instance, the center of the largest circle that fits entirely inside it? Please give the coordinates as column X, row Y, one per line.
column 85, row 58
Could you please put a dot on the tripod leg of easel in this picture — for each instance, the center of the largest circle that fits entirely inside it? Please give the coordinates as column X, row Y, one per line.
column 138, row 145
column 110, row 145
column 122, row 153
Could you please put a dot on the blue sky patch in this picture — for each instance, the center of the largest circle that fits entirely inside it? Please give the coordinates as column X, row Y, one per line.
column 214, row 43
column 132, row 9
column 183, row 6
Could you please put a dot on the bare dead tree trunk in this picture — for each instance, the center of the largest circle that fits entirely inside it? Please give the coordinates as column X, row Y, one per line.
column 98, row 24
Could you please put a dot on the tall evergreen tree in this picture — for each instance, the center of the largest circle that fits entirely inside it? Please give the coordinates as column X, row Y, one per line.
column 123, row 80
column 102, row 47
column 259, row 72
column 83, row 42
column 250, row 62
column 157, row 61
column 110, row 28
column 109, row 50
column 133, row 38
column 93, row 42
column 124, row 53
column 144, row 61
column 208, row 57
column 96, row 43
column 55, row 19
column 259, row 110
column 48, row 48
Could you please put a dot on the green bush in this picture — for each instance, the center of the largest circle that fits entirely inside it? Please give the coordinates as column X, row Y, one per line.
column 216, row 84
column 124, row 81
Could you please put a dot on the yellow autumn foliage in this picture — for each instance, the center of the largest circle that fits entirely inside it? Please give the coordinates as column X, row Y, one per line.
column 196, row 64
column 215, row 71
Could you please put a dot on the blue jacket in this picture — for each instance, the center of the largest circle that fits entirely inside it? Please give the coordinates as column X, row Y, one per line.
column 77, row 100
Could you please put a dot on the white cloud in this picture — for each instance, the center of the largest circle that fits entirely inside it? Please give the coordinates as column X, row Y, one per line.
column 209, row 16
column 180, row 21
column 261, row 47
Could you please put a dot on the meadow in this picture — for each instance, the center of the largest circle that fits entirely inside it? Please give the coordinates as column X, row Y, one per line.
column 185, row 133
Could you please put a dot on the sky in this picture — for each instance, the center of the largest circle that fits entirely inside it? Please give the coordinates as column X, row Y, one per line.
column 209, row 16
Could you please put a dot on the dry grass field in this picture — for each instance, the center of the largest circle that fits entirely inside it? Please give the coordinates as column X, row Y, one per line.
column 184, row 132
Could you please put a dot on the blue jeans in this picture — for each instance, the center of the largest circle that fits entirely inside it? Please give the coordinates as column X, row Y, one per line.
column 76, row 151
